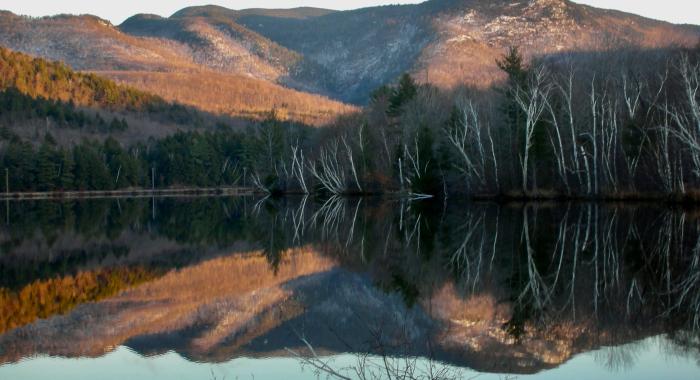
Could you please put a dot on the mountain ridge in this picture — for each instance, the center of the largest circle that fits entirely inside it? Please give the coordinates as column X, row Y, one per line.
column 297, row 12
column 341, row 54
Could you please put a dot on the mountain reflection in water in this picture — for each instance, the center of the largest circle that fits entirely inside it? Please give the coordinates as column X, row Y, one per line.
column 504, row 289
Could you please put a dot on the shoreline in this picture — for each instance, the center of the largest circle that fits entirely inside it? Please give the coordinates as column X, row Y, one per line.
column 127, row 193
column 670, row 199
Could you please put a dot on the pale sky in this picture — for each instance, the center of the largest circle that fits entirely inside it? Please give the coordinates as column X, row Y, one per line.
column 677, row 11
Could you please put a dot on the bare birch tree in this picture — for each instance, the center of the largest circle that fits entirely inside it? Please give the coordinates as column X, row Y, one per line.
column 532, row 100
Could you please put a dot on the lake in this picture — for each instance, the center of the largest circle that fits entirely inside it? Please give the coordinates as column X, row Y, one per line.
column 356, row 288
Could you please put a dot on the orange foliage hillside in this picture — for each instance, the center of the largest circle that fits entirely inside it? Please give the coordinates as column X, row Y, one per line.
column 234, row 95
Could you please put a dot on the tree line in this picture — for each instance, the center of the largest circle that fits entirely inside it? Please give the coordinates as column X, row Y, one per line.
column 611, row 124
column 570, row 125
column 16, row 107
column 214, row 158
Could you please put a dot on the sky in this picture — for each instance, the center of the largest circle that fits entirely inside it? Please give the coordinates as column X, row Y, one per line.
column 677, row 11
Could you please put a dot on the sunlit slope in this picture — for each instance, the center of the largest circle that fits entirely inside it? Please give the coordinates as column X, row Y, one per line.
column 235, row 95
column 242, row 71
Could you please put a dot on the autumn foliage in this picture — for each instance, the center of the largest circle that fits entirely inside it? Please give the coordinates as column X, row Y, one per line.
column 45, row 298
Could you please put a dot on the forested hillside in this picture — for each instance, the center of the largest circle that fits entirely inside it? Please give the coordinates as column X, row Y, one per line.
column 62, row 130
column 38, row 78
column 18, row 108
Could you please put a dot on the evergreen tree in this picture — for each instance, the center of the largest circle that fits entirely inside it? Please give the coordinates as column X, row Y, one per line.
column 20, row 160
column 47, row 172
column 91, row 173
column 118, row 125
column 67, row 168
column 404, row 92
column 202, row 156
column 512, row 64
column 115, row 125
column 380, row 94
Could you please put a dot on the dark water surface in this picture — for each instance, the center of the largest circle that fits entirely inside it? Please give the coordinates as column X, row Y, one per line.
column 297, row 288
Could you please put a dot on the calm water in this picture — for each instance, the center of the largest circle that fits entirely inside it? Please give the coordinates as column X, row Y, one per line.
column 299, row 288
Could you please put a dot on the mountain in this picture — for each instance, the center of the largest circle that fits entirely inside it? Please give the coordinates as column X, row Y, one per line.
column 214, row 10
column 448, row 42
column 201, row 50
column 35, row 93
column 444, row 42
column 341, row 54
column 216, row 42
column 88, row 43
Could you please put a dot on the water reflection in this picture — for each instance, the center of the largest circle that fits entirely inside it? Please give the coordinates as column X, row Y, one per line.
column 507, row 289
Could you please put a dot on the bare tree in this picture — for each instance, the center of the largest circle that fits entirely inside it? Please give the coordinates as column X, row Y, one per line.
column 532, row 100
column 466, row 137
column 329, row 170
column 298, row 167
column 687, row 119
column 566, row 90
column 348, row 151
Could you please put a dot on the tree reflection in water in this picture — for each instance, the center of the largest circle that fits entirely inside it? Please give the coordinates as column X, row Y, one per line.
column 514, row 288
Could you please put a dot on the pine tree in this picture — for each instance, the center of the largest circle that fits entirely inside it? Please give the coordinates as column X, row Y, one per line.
column 91, row 173
column 205, row 158
column 405, row 92
column 21, row 163
column 47, row 173
column 380, row 94
column 67, row 168
column 512, row 64
column 115, row 125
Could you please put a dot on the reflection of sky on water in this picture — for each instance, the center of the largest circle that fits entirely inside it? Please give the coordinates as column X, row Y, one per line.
column 650, row 361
